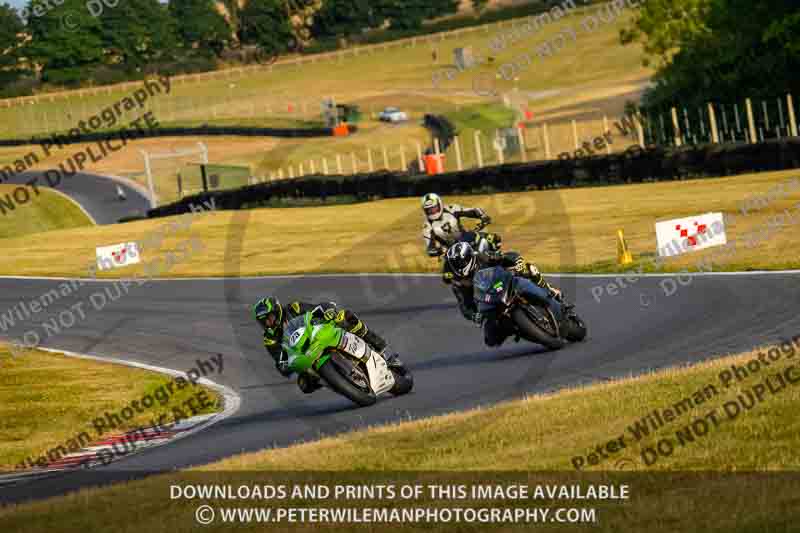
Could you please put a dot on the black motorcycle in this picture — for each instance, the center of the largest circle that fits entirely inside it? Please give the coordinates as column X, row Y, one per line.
column 517, row 305
column 477, row 238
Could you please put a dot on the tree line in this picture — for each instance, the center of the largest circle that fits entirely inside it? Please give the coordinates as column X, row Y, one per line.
column 67, row 43
column 718, row 50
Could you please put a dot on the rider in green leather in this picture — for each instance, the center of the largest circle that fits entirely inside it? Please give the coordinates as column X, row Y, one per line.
column 273, row 317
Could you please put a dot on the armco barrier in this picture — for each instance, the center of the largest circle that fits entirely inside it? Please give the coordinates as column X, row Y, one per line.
column 183, row 132
column 634, row 166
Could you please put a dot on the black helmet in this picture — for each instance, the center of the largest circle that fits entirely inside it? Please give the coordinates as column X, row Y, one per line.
column 462, row 259
column 269, row 313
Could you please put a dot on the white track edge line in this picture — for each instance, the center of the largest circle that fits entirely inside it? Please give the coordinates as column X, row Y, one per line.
column 74, row 201
column 408, row 274
column 231, row 403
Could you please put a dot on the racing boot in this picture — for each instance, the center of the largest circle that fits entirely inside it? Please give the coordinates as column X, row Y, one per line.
column 308, row 383
column 382, row 347
column 393, row 361
column 375, row 341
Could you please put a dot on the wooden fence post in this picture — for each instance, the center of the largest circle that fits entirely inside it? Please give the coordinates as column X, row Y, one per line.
column 751, row 123
column 403, row 165
column 575, row 134
column 712, row 117
column 606, row 130
column 677, row 127
column 419, row 157
column 459, row 162
column 639, row 129
column 385, row 158
column 792, row 120
column 498, row 146
column 339, row 164
column 522, row 148
column 546, row 141
column 325, row 166
column 354, row 162
column 478, row 154
column 370, row 165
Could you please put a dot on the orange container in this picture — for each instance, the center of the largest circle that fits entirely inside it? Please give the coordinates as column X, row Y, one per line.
column 342, row 130
column 434, row 164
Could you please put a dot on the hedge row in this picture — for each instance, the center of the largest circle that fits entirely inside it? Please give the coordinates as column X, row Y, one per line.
column 177, row 132
column 633, row 166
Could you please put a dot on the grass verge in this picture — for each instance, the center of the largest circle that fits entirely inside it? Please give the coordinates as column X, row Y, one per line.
column 542, row 433
column 48, row 212
column 560, row 230
column 47, row 399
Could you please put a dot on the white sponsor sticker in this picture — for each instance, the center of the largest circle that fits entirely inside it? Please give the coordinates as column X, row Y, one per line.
column 682, row 235
column 117, row 255
column 295, row 336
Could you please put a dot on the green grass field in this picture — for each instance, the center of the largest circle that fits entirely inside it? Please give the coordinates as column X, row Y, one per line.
column 47, row 399
column 403, row 77
column 560, row 230
column 48, row 212
column 400, row 76
column 542, row 433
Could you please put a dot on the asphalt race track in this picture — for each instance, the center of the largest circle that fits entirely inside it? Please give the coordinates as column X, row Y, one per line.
column 171, row 323
column 97, row 195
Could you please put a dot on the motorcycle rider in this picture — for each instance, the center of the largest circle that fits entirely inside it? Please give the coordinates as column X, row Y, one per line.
column 443, row 227
column 273, row 317
column 461, row 264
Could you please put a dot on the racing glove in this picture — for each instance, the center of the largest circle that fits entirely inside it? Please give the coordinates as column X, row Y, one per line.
column 486, row 219
column 477, row 317
column 521, row 266
column 555, row 293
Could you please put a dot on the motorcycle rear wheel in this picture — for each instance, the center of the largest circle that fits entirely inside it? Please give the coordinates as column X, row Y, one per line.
column 338, row 382
column 532, row 332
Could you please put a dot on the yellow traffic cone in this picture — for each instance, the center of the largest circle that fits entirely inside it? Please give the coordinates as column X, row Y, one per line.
column 624, row 256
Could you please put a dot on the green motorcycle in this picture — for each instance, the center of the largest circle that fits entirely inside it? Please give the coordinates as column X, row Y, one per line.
column 343, row 361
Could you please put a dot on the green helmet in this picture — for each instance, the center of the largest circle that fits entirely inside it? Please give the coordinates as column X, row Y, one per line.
column 269, row 313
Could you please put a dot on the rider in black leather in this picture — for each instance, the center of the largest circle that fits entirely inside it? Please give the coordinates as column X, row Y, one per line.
column 462, row 262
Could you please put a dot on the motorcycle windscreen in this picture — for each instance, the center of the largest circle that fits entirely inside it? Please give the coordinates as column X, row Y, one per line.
column 292, row 333
column 490, row 287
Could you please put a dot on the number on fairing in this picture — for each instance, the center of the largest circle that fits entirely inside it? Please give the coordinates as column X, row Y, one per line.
column 295, row 337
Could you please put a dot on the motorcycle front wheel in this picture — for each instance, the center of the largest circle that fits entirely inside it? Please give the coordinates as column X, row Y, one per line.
column 336, row 379
column 575, row 330
column 532, row 332
column 403, row 383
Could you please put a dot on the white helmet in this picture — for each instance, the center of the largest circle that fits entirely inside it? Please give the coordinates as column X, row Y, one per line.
column 432, row 206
